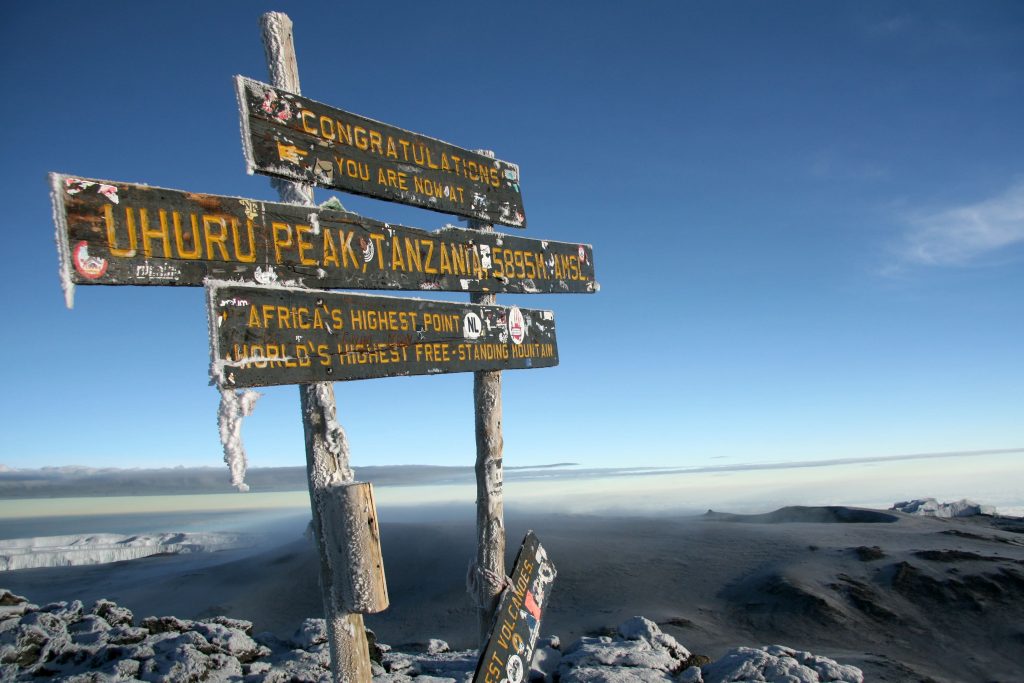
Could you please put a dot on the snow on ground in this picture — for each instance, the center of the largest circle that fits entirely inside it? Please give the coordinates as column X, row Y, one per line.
column 929, row 507
column 71, row 551
column 66, row 641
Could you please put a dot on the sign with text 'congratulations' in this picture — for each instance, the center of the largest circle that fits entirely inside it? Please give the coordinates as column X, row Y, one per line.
column 296, row 138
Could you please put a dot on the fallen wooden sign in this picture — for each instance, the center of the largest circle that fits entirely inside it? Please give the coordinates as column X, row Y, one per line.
column 294, row 137
column 510, row 646
column 114, row 233
column 262, row 336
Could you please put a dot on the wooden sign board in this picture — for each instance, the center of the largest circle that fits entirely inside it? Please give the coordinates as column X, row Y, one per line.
column 263, row 336
column 113, row 233
column 510, row 646
column 293, row 137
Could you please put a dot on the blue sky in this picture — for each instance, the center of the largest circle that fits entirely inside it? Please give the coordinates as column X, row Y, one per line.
column 808, row 223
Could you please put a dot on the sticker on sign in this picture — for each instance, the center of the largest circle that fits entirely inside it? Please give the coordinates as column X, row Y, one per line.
column 516, row 325
column 263, row 336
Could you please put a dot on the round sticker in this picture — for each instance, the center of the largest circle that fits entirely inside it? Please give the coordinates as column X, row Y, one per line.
column 516, row 325
column 92, row 267
column 472, row 327
column 514, row 669
column 582, row 254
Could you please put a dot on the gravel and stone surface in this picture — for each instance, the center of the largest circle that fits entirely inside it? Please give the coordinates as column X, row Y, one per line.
column 71, row 642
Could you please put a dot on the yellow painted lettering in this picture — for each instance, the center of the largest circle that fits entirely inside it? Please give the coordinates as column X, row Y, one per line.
column 326, row 128
column 344, row 133
column 446, row 264
column 460, row 260
column 179, row 237
column 347, row 251
column 148, row 233
column 304, row 245
column 282, row 238
column 216, row 230
column 360, row 138
column 396, row 255
column 243, row 257
column 305, row 126
column 284, row 318
column 412, row 254
column 427, row 268
column 268, row 311
column 330, row 250
column 378, row 240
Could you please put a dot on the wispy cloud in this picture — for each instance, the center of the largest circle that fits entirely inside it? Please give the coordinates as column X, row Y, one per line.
column 965, row 234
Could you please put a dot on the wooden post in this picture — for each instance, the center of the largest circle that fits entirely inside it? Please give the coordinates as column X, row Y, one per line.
column 327, row 453
column 487, row 574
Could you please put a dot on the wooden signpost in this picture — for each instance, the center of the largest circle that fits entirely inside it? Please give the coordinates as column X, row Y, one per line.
column 264, row 336
column 513, row 637
column 337, row 517
column 268, row 327
column 115, row 233
column 290, row 136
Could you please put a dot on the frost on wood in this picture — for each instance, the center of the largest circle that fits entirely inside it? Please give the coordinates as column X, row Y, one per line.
column 278, row 43
column 489, row 566
column 250, row 163
column 352, row 547
column 283, row 68
column 63, row 248
column 327, row 456
column 326, row 445
column 234, row 406
column 487, row 572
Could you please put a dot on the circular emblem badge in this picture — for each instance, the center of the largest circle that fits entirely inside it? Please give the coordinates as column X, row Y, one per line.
column 472, row 327
column 514, row 669
column 92, row 267
column 516, row 325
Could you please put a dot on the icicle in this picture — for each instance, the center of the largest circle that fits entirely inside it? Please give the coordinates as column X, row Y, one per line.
column 235, row 405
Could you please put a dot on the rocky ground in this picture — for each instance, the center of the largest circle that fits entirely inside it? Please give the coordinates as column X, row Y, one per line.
column 67, row 641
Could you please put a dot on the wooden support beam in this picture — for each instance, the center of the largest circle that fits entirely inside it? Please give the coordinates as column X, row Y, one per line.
column 488, row 571
column 327, row 452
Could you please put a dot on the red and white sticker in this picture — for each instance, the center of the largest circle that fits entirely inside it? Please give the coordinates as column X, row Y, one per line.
column 92, row 267
column 516, row 325
column 582, row 254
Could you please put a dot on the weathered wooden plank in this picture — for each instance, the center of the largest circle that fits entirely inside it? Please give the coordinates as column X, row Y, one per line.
column 290, row 136
column 262, row 336
column 509, row 649
column 114, row 233
column 354, row 549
